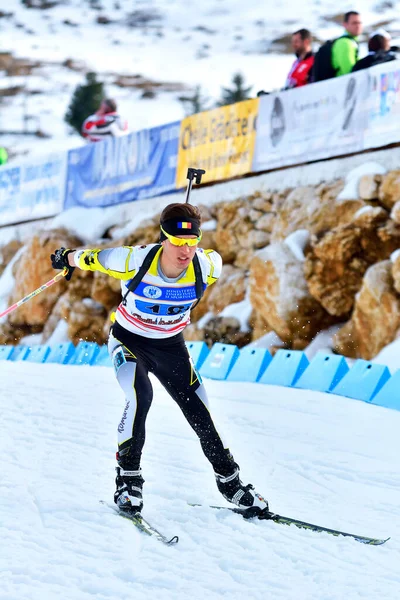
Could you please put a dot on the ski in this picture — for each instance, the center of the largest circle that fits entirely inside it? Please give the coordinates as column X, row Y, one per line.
column 140, row 522
column 270, row 516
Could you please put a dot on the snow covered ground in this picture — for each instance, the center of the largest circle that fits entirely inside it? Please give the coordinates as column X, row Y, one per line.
column 166, row 41
column 317, row 457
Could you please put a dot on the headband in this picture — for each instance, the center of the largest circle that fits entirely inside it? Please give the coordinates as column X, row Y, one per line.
column 178, row 226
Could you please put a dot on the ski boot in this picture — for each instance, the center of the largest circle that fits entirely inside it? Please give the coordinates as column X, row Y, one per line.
column 242, row 495
column 128, row 495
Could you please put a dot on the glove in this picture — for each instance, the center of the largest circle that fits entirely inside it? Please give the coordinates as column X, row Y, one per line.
column 59, row 260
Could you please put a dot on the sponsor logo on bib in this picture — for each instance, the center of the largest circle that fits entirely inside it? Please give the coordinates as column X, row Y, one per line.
column 151, row 291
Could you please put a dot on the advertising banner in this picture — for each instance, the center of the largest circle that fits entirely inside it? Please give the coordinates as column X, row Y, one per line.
column 383, row 105
column 221, row 141
column 33, row 190
column 316, row 121
column 122, row 169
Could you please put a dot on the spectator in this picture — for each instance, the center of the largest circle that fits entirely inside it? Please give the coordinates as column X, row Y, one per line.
column 345, row 48
column 379, row 52
column 104, row 123
column 299, row 74
column 3, row 155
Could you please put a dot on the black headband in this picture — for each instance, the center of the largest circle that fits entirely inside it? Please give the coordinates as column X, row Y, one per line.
column 181, row 226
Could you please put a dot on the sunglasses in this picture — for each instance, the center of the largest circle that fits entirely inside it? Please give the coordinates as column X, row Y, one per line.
column 182, row 241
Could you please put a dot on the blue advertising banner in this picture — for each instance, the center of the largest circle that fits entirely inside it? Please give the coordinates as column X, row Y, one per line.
column 122, row 169
column 32, row 190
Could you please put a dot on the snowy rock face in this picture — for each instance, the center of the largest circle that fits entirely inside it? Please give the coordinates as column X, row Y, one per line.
column 106, row 290
column 313, row 208
column 376, row 315
column 86, row 321
column 227, row 331
column 396, row 271
column 336, row 263
column 236, row 236
column 368, row 188
column 295, row 263
column 389, row 191
column 230, row 289
column 31, row 271
column 278, row 291
column 259, row 326
column 7, row 252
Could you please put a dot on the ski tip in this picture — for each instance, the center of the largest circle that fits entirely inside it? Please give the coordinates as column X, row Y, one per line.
column 381, row 542
column 173, row 540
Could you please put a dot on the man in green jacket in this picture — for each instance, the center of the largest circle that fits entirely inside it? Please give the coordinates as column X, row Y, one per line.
column 3, row 156
column 345, row 48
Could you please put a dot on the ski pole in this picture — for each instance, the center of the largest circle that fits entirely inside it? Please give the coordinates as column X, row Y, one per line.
column 191, row 174
column 35, row 293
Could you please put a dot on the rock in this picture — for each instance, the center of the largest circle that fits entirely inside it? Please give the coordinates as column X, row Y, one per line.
column 206, row 212
column 368, row 187
column 258, row 325
column 105, row 290
column 395, row 212
column 7, row 252
column 395, row 258
column 192, row 333
column 235, row 231
column 78, row 289
column 244, row 258
column 316, row 209
column 86, row 322
column 253, row 239
column 108, row 322
column 336, row 263
column 263, row 202
column 80, row 286
column 230, row 223
column 208, row 240
column 227, row 331
column 12, row 335
column 60, row 308
column 266, row 222
column 279, row 293
column 202, row 307
column 147, row 233
column 255, row 215
column 376, row 315
column 389, row 191
column 31, row 273
column 230, row 288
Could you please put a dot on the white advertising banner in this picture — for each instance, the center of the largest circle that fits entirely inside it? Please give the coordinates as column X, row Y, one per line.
column 383, row 105
column 32, row 190
column 316, row 121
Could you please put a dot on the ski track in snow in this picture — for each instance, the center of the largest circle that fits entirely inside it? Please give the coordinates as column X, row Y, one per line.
column 316, row 457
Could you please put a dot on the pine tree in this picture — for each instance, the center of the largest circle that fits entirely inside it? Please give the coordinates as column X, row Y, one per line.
column 85, row 101
column 237, row 93
column 196, row 103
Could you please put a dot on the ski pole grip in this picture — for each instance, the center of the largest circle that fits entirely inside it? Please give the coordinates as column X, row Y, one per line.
column 195, row 173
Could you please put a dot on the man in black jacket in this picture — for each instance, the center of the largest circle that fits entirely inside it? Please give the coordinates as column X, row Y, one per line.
column 379, row 52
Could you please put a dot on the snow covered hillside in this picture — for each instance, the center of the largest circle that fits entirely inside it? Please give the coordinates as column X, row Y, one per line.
column 317, row 457
column 172, row 45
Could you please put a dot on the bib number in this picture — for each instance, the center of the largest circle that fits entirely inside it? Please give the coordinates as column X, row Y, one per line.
column 162, row 310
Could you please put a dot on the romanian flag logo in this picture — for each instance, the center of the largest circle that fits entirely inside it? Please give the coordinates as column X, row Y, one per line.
column 184, row 225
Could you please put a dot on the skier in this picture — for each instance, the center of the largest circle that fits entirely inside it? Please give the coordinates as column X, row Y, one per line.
column 160, row 284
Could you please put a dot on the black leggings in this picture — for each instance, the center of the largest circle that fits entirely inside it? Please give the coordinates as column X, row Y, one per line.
column 133, row 357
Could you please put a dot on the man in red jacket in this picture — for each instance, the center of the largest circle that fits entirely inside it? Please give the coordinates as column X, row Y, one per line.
column 300, row 72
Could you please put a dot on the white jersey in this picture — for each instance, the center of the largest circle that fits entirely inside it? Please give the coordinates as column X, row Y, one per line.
column 159, row 307
column 99, row 127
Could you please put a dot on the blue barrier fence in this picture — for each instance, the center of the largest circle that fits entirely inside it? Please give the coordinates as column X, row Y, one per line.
column 365, row 381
